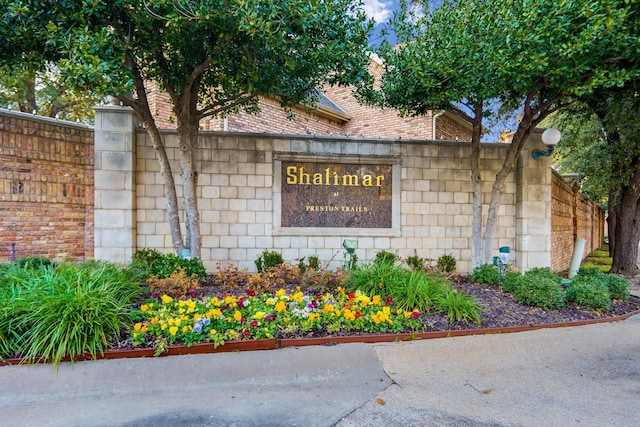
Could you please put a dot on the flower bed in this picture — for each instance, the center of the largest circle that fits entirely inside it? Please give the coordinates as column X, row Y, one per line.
column 163, row 321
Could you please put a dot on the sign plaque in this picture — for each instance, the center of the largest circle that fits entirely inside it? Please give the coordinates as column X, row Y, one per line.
column 337, row 195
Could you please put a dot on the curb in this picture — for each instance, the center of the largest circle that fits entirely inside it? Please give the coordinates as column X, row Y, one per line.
column 272, row 344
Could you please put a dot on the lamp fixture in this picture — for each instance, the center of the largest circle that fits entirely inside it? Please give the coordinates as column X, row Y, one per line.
column 550, row 137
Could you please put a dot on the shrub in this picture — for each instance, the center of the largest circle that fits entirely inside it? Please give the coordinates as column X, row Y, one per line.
column 416, row 262
column 618, row 287
column 35, row 262
column 176, row 285
column 540, row 292
column 151, row 262
column 446, row 263
column 590, row 294
column 314, row 262
column 487, row 274
column 268, row 259
column 511, row 281
column 589, row 271
column 542, row 273
column 386, row 257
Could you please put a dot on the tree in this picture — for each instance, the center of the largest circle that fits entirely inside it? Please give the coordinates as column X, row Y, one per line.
column 602, row 145
column 31, row 89
column 535, row 54
column 212, row 58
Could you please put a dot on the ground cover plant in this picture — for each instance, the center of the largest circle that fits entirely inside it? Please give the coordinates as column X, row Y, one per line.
column 51, row 311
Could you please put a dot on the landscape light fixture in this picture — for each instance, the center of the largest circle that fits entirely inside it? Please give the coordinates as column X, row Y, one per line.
column 550, row 137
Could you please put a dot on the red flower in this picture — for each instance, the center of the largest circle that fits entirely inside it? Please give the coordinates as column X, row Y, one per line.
column 415, row 315
column 254, row 323
column 358, row 314
column 251, row 293
column 388, row 301
column 246, row 333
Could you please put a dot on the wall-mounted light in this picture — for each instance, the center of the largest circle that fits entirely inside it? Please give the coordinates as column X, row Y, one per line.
column 550, row 137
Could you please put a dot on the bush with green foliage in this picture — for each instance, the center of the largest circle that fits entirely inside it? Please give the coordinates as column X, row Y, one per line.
column 543, row 292
column 146, row 263
column 446, row 263
column 542, row 273
column 589, row 293
column 487, row 274
column 618, row 286
column 386, row 257
column 49, row 312
column 268, row 259
column 416, row 263
column 511, row 281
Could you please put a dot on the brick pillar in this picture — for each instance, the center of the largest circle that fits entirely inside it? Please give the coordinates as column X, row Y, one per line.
column 115, row 191
column 533, row 207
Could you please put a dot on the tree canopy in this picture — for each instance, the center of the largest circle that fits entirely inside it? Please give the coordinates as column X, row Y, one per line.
column 534, row 56
column 212, row 57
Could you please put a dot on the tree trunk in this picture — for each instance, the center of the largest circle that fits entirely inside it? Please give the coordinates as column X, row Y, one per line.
column 476, row 188
column 626, row 215
column 141, row 107
column 508, row 165
column 188, row 134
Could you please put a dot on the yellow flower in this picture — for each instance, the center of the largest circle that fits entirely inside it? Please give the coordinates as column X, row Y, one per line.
column 213, row 332
column 166, row 299
column 215, row 302
column 349, row 315
column 259, row 315
column 237, row 315
column 137, row 326
column 163, row 327
column 173, row 330
column 177, row 322
column 144, row 307
column 230, row 299
column 313, row 316
column 297, row 297
column 154, row 320
column 386, row 310
column 144, row 329
column 281, row 293
column 185, row 329
column 281, row 306
column 328, row 308
column 214, row 313
column 376, row 300
column 170, row 322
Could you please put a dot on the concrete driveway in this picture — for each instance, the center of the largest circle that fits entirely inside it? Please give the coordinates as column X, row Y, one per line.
column 577, row 376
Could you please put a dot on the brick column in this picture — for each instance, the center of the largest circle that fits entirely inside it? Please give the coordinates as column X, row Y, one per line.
column 115, row 192
column 533, row 207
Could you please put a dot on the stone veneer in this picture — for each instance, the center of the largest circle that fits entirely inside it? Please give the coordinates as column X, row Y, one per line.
column 239, row 193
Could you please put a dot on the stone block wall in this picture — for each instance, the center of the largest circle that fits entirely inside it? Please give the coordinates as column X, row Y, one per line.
column 239, row 198
column 46, row 188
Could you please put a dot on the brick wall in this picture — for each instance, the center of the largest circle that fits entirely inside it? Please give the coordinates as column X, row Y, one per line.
column 573, row 216
column 46, row 187
column 363, row 121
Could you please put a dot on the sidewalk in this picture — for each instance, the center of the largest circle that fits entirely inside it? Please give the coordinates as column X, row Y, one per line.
column 582, row 376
